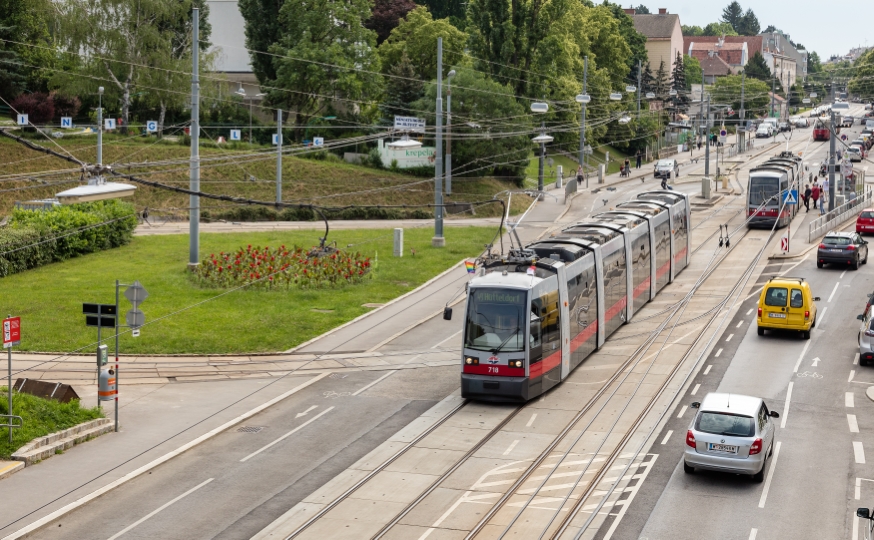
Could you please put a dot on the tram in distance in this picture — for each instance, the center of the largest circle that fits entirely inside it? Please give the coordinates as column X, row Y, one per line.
column 768, row 186
column 822, row 128
column 536, row 314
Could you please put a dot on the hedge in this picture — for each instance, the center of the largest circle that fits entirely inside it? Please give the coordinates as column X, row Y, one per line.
column 34, row 238
column 262, row 213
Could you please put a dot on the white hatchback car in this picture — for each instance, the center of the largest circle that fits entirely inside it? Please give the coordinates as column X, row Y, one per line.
column 730, row 433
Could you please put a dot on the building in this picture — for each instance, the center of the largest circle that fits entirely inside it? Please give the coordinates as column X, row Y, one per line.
column 229, row 45
column 664, row 36
column 714, row 66
column 779, row 43
column 782, row 67
column 735, row 54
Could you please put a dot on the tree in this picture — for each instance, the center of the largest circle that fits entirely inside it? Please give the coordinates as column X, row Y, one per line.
column 694, row 72
column 39, row 107
column 11, row 77
column 635, row 40
column 661, row 83
column 402, row 88
column 416, row 36
column 719, row 29
column 756, row 100
column 386, row 16
column 770, row 29
column 28, row 24
column 757, row 68
column 814, row 65
column 454, row 10
column 647, row 81
column 749, row 24
column 484, row 146
column 325, row 54
column 262, row 29
column 732, row 14
column 678, row 83
column 641, row 10
column 862, row 82
column 692, row 30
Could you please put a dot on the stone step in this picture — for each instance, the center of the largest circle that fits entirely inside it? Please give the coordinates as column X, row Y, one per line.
column 69, row 432
column 41, row 450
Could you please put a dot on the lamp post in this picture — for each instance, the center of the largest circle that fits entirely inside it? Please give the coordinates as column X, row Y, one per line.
column 583, row 99
column 100, row 126
column 251, row 99
column 542, row 139
column 448, row 131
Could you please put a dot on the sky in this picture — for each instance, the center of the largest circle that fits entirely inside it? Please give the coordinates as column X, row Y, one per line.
column 828, row 28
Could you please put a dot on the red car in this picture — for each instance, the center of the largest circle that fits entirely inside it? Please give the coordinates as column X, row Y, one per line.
column 865, row 222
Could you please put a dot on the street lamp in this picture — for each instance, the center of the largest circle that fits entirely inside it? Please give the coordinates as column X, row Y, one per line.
column 449, row 131
column 616, row 96
column 100, row 126
column 541, row 139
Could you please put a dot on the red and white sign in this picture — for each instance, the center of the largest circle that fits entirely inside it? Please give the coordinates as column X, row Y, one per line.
column 784, row 244
column 11, row 332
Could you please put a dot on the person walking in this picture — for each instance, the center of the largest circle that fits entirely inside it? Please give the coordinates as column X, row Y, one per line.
column 806, row 196
column 639, row 158
column 579, row 175
column 814, row 193
column 627, row 167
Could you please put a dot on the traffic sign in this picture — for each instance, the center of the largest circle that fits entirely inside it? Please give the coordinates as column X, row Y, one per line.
column 66, row 121
column 318, row 141
column 276, row 138
column 235, row 135
column 22, row 120
column 11, row 332
column 136, row 294
column 784, row 244
column 805, row 101
column 843, row 136
column 790, row 197
column 151, row 126
column 847, row 168
column 109, row 123
column 135, row 318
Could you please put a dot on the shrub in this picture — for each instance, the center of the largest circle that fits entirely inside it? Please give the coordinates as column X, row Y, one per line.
column 66, row 105
column 39, row 107
column 283, row 268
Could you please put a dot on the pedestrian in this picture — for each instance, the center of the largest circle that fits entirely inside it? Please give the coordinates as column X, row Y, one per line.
column 665, row 185
column 814, row 193
column 639, row 157
column 806, row 196
column 579, row 175
column 627, row 167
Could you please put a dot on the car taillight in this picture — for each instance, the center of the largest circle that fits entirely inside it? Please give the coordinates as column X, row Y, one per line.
column 690, row 439
column 760, row 312
column 756, row 447
column 806, row 314
column 822, row 246
column 851, row 248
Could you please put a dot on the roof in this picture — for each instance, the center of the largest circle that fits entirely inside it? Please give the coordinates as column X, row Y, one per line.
column 513, row 280
column 754, row 43
column 731, row 403
column 656, row 26
column 715, row 67
column 732, row 53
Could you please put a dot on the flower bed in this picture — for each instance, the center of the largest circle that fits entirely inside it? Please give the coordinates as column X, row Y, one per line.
column 283, row 268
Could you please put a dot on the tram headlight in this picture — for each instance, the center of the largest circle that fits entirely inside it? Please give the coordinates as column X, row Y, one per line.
column 471, row 361
column 516, row 363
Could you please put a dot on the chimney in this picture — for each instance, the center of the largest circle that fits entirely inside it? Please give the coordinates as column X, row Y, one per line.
column 663, row 11
column 630, row 11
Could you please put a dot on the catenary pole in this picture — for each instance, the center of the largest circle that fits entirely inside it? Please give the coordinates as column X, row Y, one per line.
column 832, row 163
column 583, row 158
column 279, row 155
column 194, row 181
column 438, row 240
column 707, row 139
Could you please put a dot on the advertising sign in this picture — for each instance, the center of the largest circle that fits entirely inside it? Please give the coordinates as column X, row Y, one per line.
column 410, row 123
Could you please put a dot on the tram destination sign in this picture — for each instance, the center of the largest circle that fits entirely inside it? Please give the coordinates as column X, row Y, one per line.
column 499, row 297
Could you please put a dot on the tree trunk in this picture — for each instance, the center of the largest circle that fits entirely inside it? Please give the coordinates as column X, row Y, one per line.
column 125, row 106
column 161, row 119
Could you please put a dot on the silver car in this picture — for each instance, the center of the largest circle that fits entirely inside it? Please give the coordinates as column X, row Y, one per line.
column 730, row 433
column 866, row 337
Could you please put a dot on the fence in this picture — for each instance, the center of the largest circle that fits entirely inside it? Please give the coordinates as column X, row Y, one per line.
column 839, row 215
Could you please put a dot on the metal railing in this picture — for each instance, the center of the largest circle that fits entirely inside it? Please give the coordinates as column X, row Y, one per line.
column 840, row 214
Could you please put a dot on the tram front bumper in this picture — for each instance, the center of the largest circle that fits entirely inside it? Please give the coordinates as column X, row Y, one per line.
column 490, row 388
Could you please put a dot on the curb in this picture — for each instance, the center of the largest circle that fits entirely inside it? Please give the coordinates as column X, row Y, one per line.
column 43, row 448
column 10, row 469
column 870, row 393
column 807, row 250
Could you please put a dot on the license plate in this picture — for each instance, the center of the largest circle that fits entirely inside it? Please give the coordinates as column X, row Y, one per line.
column 777, row 315
column 727, row 448
column 835, row 250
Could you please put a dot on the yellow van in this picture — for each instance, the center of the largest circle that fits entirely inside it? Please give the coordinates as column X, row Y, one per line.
column 787, row 304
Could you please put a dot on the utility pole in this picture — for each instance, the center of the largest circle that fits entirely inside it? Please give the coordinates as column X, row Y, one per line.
column 194, row 181
column 438, row 240
column 279, row 155
column 449, row 131
column 99, row 130
column 638, row 89
column 707, row 139
column 773, row 89
column 542, row 156
column 832, row 162
column 583, row 120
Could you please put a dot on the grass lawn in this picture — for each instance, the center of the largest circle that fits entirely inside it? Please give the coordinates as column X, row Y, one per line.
column 49, row 299
column 569, row 169
column 39, row 418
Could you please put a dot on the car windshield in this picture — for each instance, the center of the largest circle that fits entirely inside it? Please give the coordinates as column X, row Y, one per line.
column 726, row 424
column 841, row 106
column 495, row 320
column 867, row 214
column 836, row 241
column 665, row 163
column 776, row 296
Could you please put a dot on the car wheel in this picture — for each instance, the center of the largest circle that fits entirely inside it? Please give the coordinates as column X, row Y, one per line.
column 818, row 264
column 805, row 334
column 771, row 450
column 687, row 469
column 760, row 330
column 759, row 477
column 856, row 263
column 865, row 260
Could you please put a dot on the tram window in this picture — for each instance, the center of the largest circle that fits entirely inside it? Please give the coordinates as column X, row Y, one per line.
column 549, row 322
column 534, row 338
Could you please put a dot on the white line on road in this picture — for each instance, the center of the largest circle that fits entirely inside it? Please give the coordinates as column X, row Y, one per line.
column 511, row 447
column 819, row 322
column 859, row 452
column 801, row 357
column 848, row 399
column 717, row 354
column 854, row 426
column 833, row 292
column 365, row 387
column 682, row 411
column 707, row 369
column 306, row 412
column 843, row 274
column 852, row 374
column 856, row 359
column 729, row 337
column 750, row 311
column 770, row 475
column 165, row 505
column 531, row 421
column 786, row 407
column 753, row 534
column 738, row 324
column 667, row 436
column 447, row 339
column 695, row 390
column 287, row 435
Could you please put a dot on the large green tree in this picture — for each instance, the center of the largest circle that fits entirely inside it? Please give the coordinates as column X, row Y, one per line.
column 402, row 88
column 262, row 29
column 642, row 10
column 692, row 30
column 814, row 65
column 446, row 9
column 694, row 72
column 634, row 39
column 862, row 82
column 29, row 23
column 728, row 90
column 678, row 84
column 757, row 68
column 748, row 25
column 325, row 55
column 732, row 14
column 416, row 36
column 11, row 77
column 719, row 29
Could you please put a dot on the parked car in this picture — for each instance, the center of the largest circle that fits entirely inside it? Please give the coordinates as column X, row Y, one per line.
column 865, row 221
column 847, row 121
column 783, row 126
column 802, row 123
column 730, row 433
column 667, row 168
column 845, row 248
column 786, row 304
column 866, row 336
column 867, row 106
column 764, row 131
column 854, row 153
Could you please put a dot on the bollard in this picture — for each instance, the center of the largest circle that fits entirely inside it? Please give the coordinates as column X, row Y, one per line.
column 399, row 243
column 558, row 175
column 602, row 169
column 705, row 187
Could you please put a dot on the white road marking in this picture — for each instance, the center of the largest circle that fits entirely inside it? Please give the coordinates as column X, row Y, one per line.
column 770, row 475
column 717, row 354
column 801, row 357
column 843, row 274
column 852, row 374
column 738, row 324
column 447, row 339
column 511, row 447
column 363, row 388
column 287, row 435
column 859, row 451
column 667, row 436
column 306, row 412
column 695, row 390
column 815, row 362
column 848, row 399
column 682, row 411
column 729, row 337
column 833, row 292
column 750, row 311
column 531, row 421
column 413, row 358
column 786, row 407
column 707, row 369
column 165, row 505
column 854, row 426
column 819, row 322
column 753, row 534
column 856, row 359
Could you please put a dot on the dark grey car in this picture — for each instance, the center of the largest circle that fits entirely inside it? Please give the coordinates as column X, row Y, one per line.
column 845, row 248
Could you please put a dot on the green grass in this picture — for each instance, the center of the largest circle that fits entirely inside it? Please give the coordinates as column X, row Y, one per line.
column 39, row 418
column 49, row 299
column 569, row 169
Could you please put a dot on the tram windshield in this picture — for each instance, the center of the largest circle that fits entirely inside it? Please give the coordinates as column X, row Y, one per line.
column 496, row 320
column 763, row 189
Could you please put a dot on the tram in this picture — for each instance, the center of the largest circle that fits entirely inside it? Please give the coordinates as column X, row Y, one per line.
column 822, row 128
column 768, row 186
column 534, row 315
